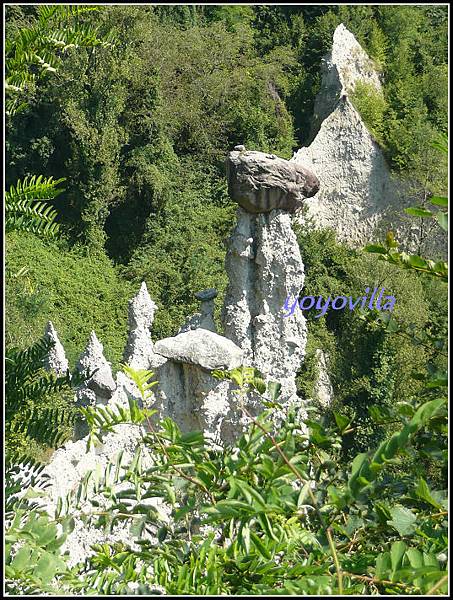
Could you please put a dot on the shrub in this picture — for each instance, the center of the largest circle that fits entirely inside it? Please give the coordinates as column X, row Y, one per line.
column 77, row 291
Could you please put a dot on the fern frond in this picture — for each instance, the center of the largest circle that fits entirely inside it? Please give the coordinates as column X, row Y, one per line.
column 21, row 472
column 50, row 426
column 26, row 208
column 141, row 378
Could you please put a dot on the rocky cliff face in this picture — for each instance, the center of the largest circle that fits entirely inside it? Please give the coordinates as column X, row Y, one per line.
column 359, row 197
column 265, row 267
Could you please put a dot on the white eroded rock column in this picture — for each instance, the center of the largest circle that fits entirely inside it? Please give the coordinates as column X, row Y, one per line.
column 101, row 386
column 56, row 359
column 265, row 268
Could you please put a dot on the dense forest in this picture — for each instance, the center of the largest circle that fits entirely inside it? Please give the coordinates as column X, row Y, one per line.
column 119, row 119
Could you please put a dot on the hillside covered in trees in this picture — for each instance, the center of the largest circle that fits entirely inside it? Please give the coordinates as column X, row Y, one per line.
column 119, row 120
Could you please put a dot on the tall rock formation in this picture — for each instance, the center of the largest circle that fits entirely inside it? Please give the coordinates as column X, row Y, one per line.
column 341, row 69
column 264, row 265
column 360, row 199
column 101, row 385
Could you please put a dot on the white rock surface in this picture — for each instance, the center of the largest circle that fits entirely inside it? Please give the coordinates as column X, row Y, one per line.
column 323, row 387
column 359, row 198
column 358, row 194
column 341, row 69
column 101, row 383
column 139, row 352
column 265, row 267
column 201, row 347
column 71, row 463
column 56, row 359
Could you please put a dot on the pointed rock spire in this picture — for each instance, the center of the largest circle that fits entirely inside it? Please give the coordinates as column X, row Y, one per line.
column 341, row 69
column 139, row 351
column 56, row 359
column 102, row 382
column 141, row 310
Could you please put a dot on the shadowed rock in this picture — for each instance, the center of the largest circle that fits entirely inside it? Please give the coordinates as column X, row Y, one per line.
column 261, row 182
column 205, row 318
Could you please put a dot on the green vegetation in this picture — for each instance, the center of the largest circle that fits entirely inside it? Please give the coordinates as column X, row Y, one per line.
column 134, row 108
column 369, row 364
column 139, row 128
column 246, row 520
column 77, row 291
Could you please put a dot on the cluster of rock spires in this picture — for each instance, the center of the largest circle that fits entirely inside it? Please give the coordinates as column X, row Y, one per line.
column 341, row 181
column 264, row 266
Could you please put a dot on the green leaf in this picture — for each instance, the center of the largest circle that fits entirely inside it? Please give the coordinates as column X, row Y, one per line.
column 376, row 248
column 422, row 490
column 22, row 558
column 259, row 385
column 439, row 200
column 396, row 554
column 417, row 262
column 260, row 546
column 419, row 212
column 403, row 520
column 383, row 565
column 274, row 390
column 48, row 566
column 341, row 421
column 415, row 557
column 442, row 219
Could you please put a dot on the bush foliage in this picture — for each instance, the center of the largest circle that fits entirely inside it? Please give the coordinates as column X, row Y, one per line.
column 349, row 500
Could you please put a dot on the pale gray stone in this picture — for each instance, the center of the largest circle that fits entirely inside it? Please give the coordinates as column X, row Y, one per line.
column 359, row 197
column 323, row 389
column 205, row 318
column 102, row 382
column 201, row 347
column 264, row 267
column 341, row 69
column 139, row 352
column 261, row 182
column 56, row 359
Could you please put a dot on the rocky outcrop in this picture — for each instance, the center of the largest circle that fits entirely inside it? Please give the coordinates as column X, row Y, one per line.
column 359, row 198
column 205, row 318
column 56, row 359
column 261, row 182
column 341, row 69
column 201, row 347
column 72, row 463
column 101, row 384
column 265, row 267
column 139, row 352
column 323, row 390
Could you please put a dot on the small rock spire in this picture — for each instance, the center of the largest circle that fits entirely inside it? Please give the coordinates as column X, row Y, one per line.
column 101, row 383
column 56, row 359
column 139, row 351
